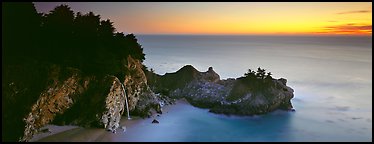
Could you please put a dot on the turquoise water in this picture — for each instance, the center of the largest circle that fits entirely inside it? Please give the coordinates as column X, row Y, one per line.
column 187, row 123
column 331, row 76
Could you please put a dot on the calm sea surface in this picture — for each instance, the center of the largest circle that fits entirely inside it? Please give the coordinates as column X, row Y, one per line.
column 331, row 76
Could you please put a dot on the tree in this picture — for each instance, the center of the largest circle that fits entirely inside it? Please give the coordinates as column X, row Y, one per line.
column 32, row 42
column 106, row 29
column 260, row 73
column 248, row 73
column 135, row 48
column 59, row 22
column 268, row 78
column 20, row 27
column 57, row 27
column 20, row 32
column 269, row 75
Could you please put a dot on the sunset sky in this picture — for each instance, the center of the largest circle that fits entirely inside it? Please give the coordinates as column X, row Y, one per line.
column 230, row 18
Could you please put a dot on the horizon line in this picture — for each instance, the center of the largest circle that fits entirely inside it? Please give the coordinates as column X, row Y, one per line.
column 233, row 34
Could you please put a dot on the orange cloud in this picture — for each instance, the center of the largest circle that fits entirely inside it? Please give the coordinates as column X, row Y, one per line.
column 350, row 28
column 354, row 12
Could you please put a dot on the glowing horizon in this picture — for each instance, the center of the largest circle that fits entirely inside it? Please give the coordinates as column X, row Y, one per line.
column 247, row 18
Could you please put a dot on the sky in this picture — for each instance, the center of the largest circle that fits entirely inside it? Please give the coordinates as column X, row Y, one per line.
column 354, row 18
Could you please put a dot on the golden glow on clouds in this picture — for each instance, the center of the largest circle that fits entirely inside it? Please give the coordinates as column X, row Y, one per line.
column 238, row 18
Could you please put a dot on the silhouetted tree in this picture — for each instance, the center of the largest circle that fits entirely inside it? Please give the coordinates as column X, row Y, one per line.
column 20, row 26
column 249, row 73
column 20, row 32
column 135, row 48
column 57, row 34
column 33, row 41
column 106, row 29
column 260, row 73
column 269, row 75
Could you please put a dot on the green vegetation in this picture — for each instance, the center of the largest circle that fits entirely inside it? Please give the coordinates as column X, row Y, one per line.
column 253, row 81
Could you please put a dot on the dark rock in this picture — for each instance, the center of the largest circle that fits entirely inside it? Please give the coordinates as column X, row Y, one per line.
column 241, row 96
column 71, row 97
column 284, row 81
column 141, row 98
column 155, row 121
column 55, row 99
column 45, row 130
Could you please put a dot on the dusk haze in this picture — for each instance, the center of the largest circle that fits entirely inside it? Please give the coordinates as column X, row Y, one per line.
column 187, row 72
column 230, row 18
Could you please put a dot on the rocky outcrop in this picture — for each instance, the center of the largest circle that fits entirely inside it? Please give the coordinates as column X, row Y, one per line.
column 275, row 95
column 57, row 97
column 155, row 121
column 140, row 97
column 74, row 98
column 62, row 100
column 241, row 96
column 55, row 73
column 114, row 106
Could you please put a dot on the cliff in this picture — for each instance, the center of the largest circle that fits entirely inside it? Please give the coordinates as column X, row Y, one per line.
column 240, row 96
column 71, row 97
column 140, row 97
column 70, row 68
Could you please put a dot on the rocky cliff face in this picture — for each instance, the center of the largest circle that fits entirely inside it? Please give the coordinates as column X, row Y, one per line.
column 56, row 98
column 71, row 97
column 232, row 96
column 276, row 95
column 140, row 97
column 114, row 105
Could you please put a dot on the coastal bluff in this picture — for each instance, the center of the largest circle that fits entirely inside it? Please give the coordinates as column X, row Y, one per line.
column 72, row 97
column 247, row 95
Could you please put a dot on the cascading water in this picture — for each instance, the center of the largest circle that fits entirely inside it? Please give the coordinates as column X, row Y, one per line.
column 127, row 104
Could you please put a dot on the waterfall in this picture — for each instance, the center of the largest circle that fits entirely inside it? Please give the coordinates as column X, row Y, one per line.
column 127, row 104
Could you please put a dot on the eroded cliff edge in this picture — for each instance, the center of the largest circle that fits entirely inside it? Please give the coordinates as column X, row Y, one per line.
column 67, row 96
column 247, row 95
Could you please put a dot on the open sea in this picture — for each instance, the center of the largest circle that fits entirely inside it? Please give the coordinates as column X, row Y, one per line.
column 331, row 77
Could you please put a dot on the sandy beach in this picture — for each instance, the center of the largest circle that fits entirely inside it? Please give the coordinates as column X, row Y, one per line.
column 80, row 134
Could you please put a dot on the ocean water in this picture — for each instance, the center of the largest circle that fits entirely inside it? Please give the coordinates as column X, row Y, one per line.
column 331, row 77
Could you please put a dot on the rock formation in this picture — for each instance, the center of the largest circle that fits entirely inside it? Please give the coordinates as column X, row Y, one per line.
column 71, row 97
column 56, row 98
column 141, row 97
column 62, row 68
column 241, row 96
column 155, row 121
column 114, row 106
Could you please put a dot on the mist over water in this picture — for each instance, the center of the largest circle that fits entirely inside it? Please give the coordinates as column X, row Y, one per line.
column 331, row 76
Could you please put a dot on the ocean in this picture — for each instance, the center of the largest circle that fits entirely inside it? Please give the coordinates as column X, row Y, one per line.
column 331, row 77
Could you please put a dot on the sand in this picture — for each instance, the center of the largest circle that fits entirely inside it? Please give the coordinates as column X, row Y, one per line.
column 80, row 134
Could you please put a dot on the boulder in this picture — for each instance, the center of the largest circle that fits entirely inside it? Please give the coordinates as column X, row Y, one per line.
column 155, row 121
